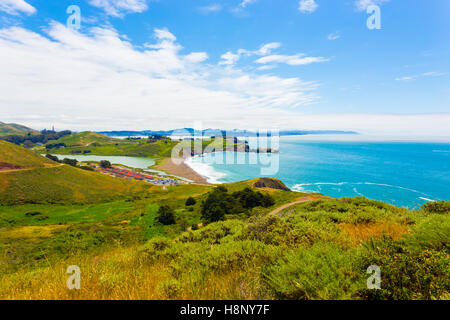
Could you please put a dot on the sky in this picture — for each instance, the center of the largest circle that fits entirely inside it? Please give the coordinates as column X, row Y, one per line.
column 247, row 64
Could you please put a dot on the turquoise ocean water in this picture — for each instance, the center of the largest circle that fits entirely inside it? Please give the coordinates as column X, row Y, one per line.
column 406, row 174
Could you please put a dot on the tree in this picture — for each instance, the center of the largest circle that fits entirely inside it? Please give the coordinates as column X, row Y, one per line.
column 105, row 164
column 166, row 215
column 28, row 144
column 190, row 201
column 53, row 158
column 217, row 205
column 70, row 162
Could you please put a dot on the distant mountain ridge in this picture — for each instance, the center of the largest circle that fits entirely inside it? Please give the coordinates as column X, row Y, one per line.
column 217, row 132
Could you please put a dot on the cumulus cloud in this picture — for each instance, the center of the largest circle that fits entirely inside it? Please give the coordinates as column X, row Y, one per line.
column 307, row 6
column 119, row 8
column 265, row 51
column 229, row 58
column 16, row 6
column 99, row 80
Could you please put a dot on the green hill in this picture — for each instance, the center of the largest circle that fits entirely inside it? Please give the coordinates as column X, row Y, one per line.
column 84, row 139
column 18, row 156
column 15, row 129
column 98, row 144
column 30, row 178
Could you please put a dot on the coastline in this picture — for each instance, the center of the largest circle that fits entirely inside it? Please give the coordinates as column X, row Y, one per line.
column 181, row 170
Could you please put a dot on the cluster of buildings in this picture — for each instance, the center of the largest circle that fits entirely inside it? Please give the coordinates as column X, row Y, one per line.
column 125, row 173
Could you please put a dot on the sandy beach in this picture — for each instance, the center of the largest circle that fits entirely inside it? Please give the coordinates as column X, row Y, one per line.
column 181, row 170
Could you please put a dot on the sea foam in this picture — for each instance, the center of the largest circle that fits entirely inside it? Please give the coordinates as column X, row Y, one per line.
column 205, row 170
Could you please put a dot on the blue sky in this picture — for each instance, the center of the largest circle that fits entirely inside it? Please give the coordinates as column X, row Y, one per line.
column 309, row 64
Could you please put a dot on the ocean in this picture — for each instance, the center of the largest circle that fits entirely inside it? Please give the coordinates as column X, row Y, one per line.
column 406, row 174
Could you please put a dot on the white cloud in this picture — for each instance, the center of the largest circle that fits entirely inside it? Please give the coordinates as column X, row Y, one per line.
column 196, row 57
column 215, row 7
column 265, row 51
column 100, row 81
column 245, row 3
column 119, row 8
column 307, row 6
column 361, row 5
column 229, row 58
column 294, row 60
column 267, row 48
column 16, row 6
column 334, row 36
column 422, row 75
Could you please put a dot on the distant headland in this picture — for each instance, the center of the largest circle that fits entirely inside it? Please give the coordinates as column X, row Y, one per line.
column 218, row 132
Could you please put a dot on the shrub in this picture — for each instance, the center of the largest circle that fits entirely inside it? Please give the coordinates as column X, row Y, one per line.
column 105, row 164
column 220, row 203
column 439, row 207
column 70, row 162
column 166, row 215
column 33, row 213
column 190, row 201
column 53, row 158
column 406, row 274
column 323, row 271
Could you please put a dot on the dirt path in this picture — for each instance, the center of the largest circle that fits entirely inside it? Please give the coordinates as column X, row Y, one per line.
column 298, row 201
column 46, row 165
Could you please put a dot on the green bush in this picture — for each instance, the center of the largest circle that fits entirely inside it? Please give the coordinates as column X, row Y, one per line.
column 406, row 274
column 190, row 201
column 166, row 215
column 439, row 207
column 323, row 271
column 220, row 203
column 105, row 164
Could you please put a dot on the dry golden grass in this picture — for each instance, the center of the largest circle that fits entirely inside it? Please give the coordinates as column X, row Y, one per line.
column 361, row 232
column 124, row 274
column 30, row 232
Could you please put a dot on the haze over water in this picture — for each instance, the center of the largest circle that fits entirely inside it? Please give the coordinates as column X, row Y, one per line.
column 406, row 174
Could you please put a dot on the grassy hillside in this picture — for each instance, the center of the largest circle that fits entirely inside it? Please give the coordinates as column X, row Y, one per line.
column 298, row 246
column 40, row 180
column 84, row 138
column 97, row 144
column 13, row 154
column 316, row 250
column 15, row 129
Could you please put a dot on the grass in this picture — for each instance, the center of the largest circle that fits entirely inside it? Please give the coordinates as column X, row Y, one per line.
column 54, row 217
column 13, row 154
column 316, row 250
column 97, row 144
column 102, row 145
column 14, row 129
column 63, row 184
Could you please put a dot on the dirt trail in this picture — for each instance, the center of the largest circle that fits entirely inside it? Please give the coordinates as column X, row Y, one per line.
column 46, row 165
column 298, row 201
